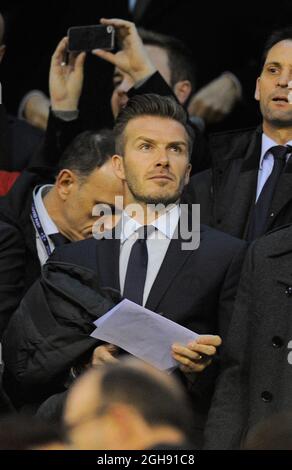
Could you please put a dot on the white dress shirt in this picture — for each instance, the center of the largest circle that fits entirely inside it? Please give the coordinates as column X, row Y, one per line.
column 48, row 225
column 157, row 245
column 266, row 162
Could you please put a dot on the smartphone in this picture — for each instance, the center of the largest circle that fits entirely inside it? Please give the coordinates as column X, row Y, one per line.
column 87, row 38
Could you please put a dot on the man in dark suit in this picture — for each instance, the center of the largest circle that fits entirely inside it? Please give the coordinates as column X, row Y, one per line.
column 39, row 208
column 248, row 190
column 194, row 287
column 64, row 192
column 255, row 382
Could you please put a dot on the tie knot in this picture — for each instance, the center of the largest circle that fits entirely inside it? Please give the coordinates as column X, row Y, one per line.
column 145, row 231
column 280, row 151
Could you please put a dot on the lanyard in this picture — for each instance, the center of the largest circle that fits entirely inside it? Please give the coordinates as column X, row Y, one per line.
column 40, row 230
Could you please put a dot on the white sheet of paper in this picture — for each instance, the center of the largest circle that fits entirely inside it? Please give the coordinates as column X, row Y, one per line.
column 144, row 334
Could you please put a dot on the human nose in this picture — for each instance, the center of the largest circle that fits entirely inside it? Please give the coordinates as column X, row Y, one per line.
column 162, row 157
column 284, row 78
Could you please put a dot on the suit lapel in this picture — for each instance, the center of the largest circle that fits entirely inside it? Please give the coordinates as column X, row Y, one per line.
column 283, row 193
column 108, row 254
column 172, row 264
column 244, row 193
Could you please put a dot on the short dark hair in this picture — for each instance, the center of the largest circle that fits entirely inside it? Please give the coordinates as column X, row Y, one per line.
column 21, row 432
column 158, row 402
column 180, row 58
column 151, row 105
column 278, row 35
column 88, row 151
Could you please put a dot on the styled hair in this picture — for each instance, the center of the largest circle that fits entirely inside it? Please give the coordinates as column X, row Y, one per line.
column 276, row 36
column 151, row 105
column 88, row 151
column 158, row 401
column 180, row 59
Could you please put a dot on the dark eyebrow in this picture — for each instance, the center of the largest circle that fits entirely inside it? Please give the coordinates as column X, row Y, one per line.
column 273, row 63
column 151, row 141
column 146, row 139
column 179, row 142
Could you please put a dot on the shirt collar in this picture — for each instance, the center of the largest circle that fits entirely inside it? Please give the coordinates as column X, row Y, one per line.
column 49, row 227
column 166, row 224
column 267, row 144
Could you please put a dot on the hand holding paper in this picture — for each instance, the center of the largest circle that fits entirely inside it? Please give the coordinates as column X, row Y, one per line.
column 145, row 334
column 197, row 355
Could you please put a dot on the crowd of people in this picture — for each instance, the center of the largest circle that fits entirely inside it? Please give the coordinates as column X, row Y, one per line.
column 92, row 215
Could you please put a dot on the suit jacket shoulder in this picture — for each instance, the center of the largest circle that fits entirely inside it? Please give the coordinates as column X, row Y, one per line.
column 82, row 253
column 232, row 144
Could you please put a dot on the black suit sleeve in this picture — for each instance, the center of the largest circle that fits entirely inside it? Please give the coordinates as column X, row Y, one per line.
column 226, row 420
column 59, row 135
column 12, row 267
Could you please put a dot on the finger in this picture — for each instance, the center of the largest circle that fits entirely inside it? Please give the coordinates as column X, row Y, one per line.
column 108, row 357
column 112, row 348
column 193, row 366
column 79, row 62
column 193, row 369
column 58, row 55
column 116, row 22
column 186, row 352
column 103, row 356
column 108, row 56
column 203, row 349
column 212, row 340
column 72, row 59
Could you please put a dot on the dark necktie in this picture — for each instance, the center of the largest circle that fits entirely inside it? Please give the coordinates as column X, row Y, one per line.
column 261, row 209
column 137, row 266
column 58, row 239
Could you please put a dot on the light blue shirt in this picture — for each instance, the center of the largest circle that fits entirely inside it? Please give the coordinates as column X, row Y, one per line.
column 267, row 162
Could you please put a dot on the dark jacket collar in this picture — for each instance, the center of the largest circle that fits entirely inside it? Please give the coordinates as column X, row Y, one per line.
column 284, row 241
